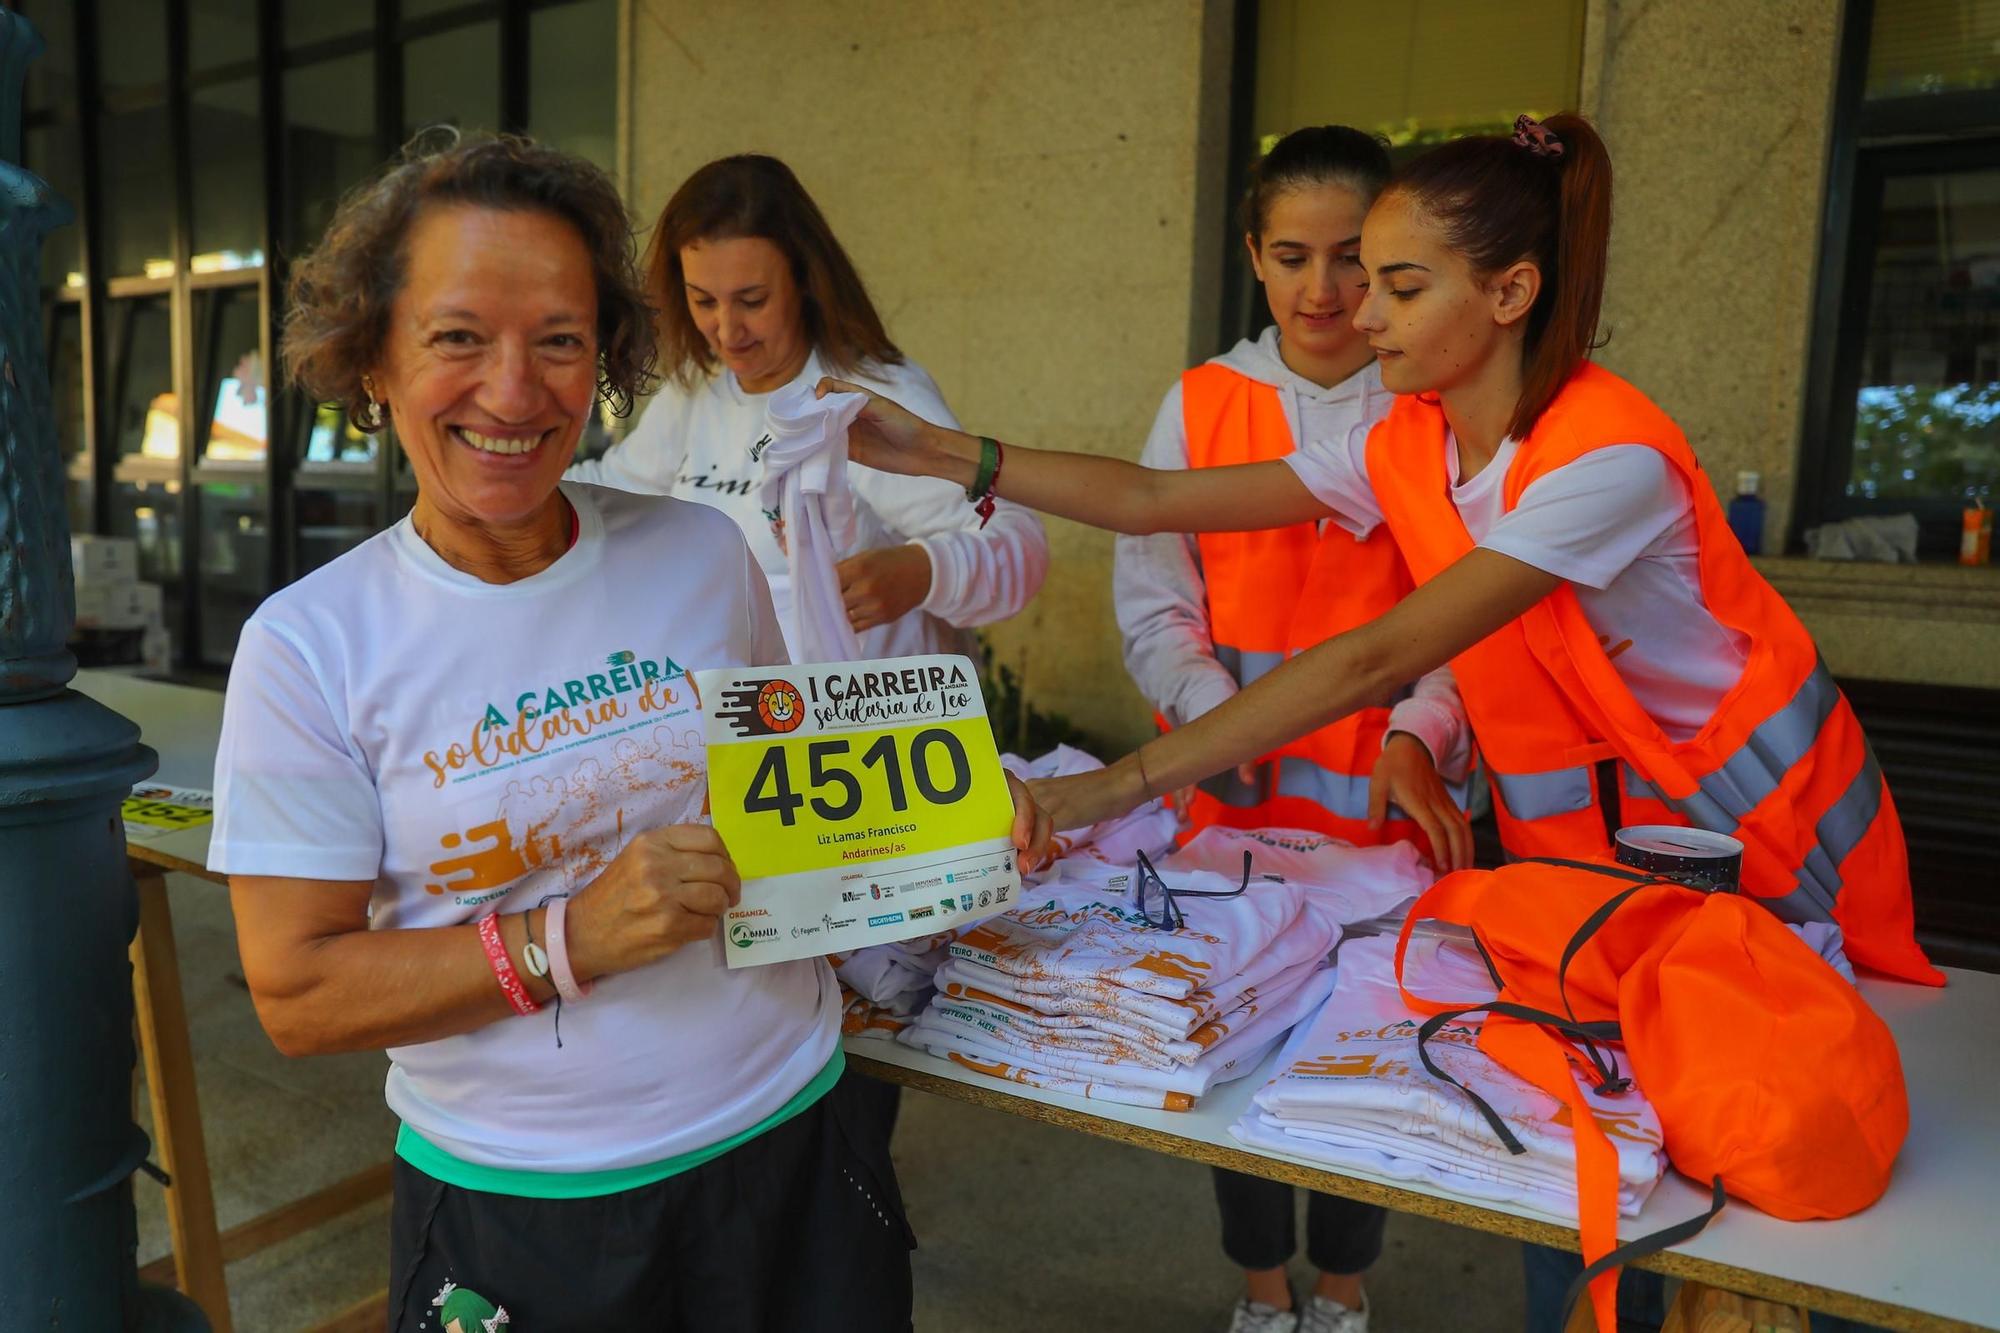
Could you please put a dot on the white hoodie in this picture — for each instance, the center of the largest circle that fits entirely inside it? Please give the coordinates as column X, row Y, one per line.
column 1157, row 586
column 696, row 443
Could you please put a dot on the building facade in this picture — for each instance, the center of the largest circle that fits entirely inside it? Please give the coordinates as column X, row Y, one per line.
column 1805, row 268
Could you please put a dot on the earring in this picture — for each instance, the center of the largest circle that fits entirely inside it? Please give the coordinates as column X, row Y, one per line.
column 374, row 417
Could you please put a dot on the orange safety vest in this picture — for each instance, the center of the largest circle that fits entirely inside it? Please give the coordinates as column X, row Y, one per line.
column 1274, row 593
column 1782, row 766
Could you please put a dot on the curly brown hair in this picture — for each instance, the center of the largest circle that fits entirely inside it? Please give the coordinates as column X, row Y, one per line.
column 753, row 195
column 341, row 293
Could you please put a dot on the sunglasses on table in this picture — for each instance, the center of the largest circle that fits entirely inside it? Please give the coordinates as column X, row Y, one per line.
column 1159, row 902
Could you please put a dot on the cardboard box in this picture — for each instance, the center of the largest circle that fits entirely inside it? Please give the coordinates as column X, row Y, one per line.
column 115, row 606
column 103, row 559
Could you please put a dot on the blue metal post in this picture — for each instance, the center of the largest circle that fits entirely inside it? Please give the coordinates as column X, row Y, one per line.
column 68, row 910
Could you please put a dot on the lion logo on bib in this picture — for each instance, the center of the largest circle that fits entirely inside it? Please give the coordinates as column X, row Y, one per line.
column 779, row 706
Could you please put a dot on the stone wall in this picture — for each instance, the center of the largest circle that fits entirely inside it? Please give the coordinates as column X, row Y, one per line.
column 1716, row 112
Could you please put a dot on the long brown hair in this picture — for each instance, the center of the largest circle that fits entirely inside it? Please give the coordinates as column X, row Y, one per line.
column 1499, row 202
column 752, row 195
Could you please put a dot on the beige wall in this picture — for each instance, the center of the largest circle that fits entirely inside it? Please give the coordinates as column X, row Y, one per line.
column 1017, row 182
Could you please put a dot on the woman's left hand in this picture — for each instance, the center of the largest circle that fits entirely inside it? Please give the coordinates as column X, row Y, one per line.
column 1407, row 775
column 884, row 584
column 1032, row 831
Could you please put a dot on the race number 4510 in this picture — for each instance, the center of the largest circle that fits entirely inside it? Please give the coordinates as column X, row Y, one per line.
column 932, row 761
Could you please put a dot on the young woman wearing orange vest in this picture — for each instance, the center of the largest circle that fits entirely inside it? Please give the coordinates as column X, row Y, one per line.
column 1202, row 618
column 1620, row 658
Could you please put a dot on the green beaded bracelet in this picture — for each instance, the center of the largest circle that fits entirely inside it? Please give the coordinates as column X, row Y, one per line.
column 989, row 463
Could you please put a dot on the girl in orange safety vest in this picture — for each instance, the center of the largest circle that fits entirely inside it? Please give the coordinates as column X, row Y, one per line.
column 1620, row 658
column 1204, row 617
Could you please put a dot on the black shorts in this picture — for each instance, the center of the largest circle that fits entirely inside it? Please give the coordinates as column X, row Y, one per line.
column 801, row 1229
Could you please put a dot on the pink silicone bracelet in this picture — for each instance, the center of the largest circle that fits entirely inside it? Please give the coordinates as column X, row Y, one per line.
column 556, row 925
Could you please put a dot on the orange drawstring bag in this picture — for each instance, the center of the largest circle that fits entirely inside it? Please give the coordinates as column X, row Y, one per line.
column 1772, row 1079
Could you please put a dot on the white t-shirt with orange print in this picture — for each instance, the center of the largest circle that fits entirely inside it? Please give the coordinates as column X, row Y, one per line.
column 473, row 748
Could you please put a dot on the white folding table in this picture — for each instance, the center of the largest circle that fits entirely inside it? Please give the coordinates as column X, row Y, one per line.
column 1925, row 1257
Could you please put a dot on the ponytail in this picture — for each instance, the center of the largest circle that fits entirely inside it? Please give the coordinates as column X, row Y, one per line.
column 1541, row 196
column 1573, row 292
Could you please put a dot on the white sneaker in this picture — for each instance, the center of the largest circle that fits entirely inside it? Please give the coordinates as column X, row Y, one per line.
column 1326, row 1316
column 1256, row 1317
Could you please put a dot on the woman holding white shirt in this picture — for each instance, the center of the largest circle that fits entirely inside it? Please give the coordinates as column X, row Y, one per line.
column 754, row 293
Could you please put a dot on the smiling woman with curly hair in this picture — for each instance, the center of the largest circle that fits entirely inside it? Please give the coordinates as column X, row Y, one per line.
column 460, row 800
column 341, row 293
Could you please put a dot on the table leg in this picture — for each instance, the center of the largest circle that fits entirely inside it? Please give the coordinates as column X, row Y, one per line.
column 1705, row 1309
column 177, row 1136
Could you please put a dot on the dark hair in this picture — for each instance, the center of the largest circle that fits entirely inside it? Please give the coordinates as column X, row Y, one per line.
column 1315, row 155
column 752, row 195
column 1498, row 203
column 341, row 293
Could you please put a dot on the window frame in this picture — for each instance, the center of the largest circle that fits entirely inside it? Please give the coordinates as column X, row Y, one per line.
column 104, row 299
column 1871, row 142
column 1875, row 167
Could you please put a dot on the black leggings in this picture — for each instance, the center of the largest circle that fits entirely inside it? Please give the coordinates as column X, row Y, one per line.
column 1259, row 1228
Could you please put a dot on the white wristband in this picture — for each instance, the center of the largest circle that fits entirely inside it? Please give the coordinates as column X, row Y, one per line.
column 557, row 926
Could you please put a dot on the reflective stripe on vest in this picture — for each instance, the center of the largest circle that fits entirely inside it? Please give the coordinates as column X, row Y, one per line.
column 1749, row 776
column 1558, row 791
column 1342, row 794
column 1840, row 830
column 1759, row 765
column 1246, row 667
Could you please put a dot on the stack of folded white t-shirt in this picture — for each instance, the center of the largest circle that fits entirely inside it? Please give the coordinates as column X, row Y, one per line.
column 885, row 986
column 1074, row 991
column 1353, row 1093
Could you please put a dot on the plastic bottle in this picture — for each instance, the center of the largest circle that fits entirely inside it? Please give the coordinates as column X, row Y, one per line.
column 1976, row 537
column 1746, row 512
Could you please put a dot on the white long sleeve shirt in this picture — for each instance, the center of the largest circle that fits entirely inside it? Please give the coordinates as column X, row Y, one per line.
column 1162, row 600
column 695, row 444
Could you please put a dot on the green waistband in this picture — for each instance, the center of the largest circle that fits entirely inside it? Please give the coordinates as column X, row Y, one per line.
column 435, row 1162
